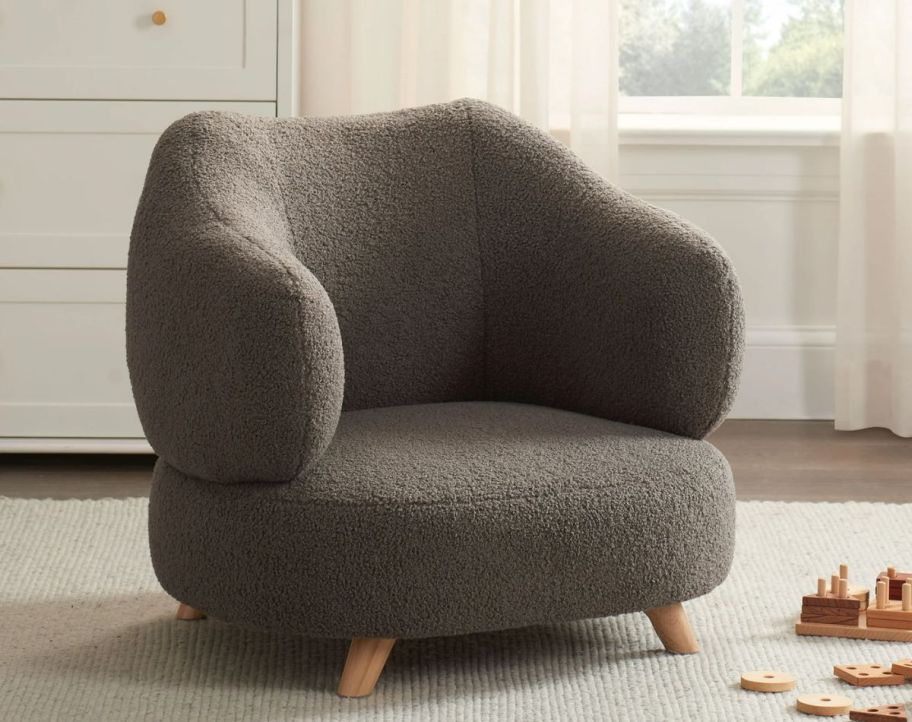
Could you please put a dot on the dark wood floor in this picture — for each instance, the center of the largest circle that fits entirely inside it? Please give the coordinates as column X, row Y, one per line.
column 787, row 460
column 810, row 461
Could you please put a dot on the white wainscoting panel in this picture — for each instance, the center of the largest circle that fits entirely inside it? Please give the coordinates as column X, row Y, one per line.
column 788, row 374
column 774, row 209
column 63, row 370
column 71, row 174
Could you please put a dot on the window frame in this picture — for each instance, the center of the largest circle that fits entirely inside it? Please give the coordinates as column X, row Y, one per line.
column 728, row 105
column 734, row 103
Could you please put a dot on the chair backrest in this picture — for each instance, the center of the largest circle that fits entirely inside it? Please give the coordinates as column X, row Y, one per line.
column 278, row 267
column 382, row 210
column 448, row 253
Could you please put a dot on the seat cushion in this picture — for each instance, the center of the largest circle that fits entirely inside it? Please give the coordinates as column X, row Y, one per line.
column 451, row 518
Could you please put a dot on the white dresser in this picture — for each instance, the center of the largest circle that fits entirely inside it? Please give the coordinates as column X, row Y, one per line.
column 85, row 90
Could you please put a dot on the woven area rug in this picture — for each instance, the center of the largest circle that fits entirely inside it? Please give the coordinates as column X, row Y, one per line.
column 87, row 634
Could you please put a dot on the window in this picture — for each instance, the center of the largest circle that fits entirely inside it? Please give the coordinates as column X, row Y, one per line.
column 731, row 56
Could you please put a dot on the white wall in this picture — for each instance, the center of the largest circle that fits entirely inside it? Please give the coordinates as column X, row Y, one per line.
column 771, row 200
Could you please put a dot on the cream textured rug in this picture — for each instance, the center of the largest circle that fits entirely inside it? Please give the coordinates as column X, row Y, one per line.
column 86, row 634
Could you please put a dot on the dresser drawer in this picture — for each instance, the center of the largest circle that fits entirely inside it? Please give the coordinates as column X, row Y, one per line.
column 71, row 173
column 138, row 49
column 63, row 370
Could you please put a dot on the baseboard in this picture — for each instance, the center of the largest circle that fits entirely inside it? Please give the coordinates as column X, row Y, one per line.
column 37, row 445
column 788, row 373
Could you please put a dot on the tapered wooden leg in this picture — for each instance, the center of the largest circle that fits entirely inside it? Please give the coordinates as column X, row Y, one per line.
column 188, row 614
column 673, row 628
column 366, row 658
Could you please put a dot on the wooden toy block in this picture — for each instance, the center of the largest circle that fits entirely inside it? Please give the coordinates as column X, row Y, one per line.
column 867, row 675
column 862, row 631
column 889, row 624
column 831, row 610
column 824, row 705
column 830, row 615
column 879, row 714
column 812, row 600
column 891, row 610
column 767, row 681
column 855, row 597
column 862, row 594
column 903, row 667
column 895, row 581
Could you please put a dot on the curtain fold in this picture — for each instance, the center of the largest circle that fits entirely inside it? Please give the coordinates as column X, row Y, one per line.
column 553, row 62
column 874, row 314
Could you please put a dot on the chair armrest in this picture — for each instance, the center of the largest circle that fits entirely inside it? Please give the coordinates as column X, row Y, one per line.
column 598, row 302
column 233, row 346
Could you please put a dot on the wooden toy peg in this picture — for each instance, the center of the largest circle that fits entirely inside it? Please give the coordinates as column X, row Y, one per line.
column 843, row 588
column 834, row 585
column 891, row 571
column 821, row 587
column 881, row 595
column 907, row 597
column 843, row 571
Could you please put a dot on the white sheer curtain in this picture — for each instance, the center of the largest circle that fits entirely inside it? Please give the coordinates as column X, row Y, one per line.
column 874, row 327
column 554, row 63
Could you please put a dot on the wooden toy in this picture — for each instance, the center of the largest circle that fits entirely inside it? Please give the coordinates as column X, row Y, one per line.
column 824, row 705
column 862, row 631
column 888, row 613
column 842, row 610
column 880, row 714
column 766, row 681
column 867, row 675
column 187, row 613
column 903, row 667
column 895, row 581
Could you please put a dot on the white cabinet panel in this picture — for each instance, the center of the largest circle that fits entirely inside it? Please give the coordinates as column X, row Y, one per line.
column 86, row 88
column 63, row 369
column 203, row 49
column 71, row 174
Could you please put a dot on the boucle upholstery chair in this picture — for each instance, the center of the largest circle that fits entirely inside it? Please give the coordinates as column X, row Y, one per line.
column 423, row 373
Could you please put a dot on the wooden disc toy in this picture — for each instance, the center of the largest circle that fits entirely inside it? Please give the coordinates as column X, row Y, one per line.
column 824, row 705
column 767, row 681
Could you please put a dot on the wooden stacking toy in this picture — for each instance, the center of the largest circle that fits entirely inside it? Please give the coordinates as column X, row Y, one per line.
column 842, row 610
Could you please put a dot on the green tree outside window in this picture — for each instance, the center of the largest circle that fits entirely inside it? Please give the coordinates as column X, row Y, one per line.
column 790, row 48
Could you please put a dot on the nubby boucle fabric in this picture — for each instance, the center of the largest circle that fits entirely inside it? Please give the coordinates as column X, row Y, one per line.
column 424, row 373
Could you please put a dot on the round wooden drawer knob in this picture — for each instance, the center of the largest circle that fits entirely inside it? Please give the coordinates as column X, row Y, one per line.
column 159, row 17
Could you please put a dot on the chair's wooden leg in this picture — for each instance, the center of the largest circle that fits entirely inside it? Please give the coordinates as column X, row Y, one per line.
column 188, row 614
column 673, row 628
column 366, row 658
